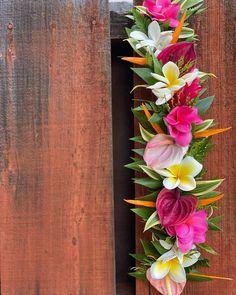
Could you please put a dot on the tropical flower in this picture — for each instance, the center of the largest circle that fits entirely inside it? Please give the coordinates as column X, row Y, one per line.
column 162, row 152
column 172, row 208
column 182, row 54
column 186, row 94
column 181, row 175
column 163, row 10
column 170, row 82
column 168, row 272
column 180, row 121
column 154, row 41
column 191, row 231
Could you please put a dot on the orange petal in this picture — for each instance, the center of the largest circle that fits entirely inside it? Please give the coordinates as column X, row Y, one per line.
column 209, row 277
column 154, row 125
column 142, row 203
column 210, row 132
column 209, row 201
column 178, row 29
column 136, row 60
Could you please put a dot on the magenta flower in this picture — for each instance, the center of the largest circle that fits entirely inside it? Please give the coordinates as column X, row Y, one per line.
column 180, row 121
column 162, row 152
column 191, row 231
column 183, row 54
column 172, row 208
column 185, row 95
column 163, row 10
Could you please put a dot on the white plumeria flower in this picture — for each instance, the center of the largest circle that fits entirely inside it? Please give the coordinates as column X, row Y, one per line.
column 170, row 82
column 181, row 175
column 172, row 263
column 154, row 41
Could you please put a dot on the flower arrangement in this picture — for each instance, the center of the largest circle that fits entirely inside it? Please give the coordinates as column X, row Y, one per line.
column 174, row 139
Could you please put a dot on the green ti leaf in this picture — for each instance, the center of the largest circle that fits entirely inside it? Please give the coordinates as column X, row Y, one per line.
column 207, row 249
column 152, row 221
column 204, row 104
column 206, row 186
column 145, row 74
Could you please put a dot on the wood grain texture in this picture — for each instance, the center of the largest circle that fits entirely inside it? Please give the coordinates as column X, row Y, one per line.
column 216, row 53
column 56, row 220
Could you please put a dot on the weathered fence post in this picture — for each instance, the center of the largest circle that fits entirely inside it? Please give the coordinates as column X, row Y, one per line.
column 56, row 219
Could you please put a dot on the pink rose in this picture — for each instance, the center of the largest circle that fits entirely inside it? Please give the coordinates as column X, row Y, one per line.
column 180, row 121
column 163, row 10
column 162, row 152
column 185, row 95
column 191, row 231
column 183, row 54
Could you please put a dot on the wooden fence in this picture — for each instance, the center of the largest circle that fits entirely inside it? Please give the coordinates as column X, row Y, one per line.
column 56, row 164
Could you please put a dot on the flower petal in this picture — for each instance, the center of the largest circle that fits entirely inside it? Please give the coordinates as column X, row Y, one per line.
column 187, row 183
column 177, row 272
column 171, row 71
column 171, row 182
column 154, row 31
column 160, row 269
column 189, row 166
column 137, row 35
column 159, row 77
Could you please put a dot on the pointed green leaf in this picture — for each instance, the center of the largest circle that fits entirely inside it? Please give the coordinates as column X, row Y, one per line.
column 203, row 126
column 204, row 104
column 207, row 249
column 149, row 249
column 149, row 183
column 145, row 134
column 145, row 74
column 144, row 213
column 151, row 173
column 206, row 186
column 152, row 221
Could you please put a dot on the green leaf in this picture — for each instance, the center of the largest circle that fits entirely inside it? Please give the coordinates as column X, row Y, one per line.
column 149, row 197
column 141, row 21
column 205, row 125
column 138, row 275
column 158, row 247
column 198, row 279
column 206, row 186
column 149, row 183
column 207, row 249
column 212, row 226
column 145, row 74
column 139, row 114
column 144, row 213
column 209, row 195
column 152, row 221
column 138, row 139
column 149, row 249
column 135, row 166
column 139, row 152
column 190, row 3
column 204, row 104
column 216, row 219
column 141, row 257
column 199, row 148
column 151, row 173
column 145, row 134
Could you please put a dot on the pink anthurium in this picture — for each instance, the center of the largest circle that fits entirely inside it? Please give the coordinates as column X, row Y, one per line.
column 173, row 208
column 183, row 54
column 166, row 286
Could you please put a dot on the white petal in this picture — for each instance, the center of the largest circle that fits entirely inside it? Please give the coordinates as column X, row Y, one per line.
column 159, row 77
column 187, row 183
column 177, row 272
column 159, row 269
column 190, row 166
column 190, row 260
column 167, row 256
column 190, row 76
column 154, row 31
column 171, row 71
column 137, row 35
column 165, row 245
column 157, row 85
column 171, row 182
column 164, row 172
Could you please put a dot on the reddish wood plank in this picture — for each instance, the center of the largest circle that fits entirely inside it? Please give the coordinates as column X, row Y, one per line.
column 55, row 148
column 216, row 52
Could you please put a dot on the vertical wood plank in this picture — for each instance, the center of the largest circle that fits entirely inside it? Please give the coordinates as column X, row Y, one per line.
column 56, row 220
column 216, row 53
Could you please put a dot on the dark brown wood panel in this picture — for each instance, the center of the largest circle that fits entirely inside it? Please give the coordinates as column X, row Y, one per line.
column 216, row 53
column 56, row 220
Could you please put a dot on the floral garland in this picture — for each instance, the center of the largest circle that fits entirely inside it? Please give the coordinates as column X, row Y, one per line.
column 174, row 140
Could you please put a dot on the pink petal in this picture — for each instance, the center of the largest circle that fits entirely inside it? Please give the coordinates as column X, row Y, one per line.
column 160, row 285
